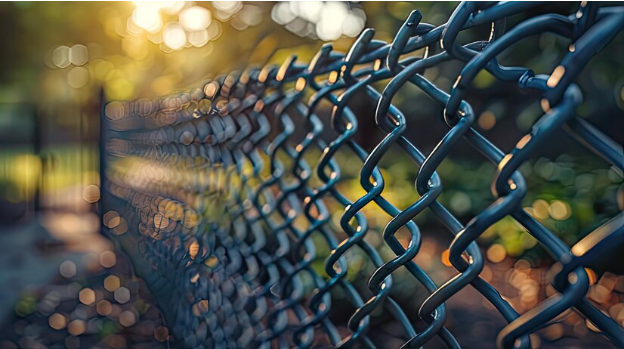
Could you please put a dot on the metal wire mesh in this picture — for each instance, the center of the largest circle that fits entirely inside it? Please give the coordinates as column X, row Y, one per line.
column 221, row 199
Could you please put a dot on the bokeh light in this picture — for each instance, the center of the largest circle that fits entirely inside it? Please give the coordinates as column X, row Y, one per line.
column 112, row 283
column 195, row 18
column 326, row 21
column 68, row 269
column 57, row 321
column 87, row 296
column 79, row 55
column 146, row 16
column 108, row 259
column 174, row 36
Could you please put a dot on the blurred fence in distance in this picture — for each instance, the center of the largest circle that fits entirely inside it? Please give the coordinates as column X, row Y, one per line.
column 223, row 195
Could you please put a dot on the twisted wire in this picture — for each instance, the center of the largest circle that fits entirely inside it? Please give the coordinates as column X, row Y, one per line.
column 220, row 202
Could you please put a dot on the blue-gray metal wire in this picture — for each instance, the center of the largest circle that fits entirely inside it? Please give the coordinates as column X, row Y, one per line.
column 219, row 182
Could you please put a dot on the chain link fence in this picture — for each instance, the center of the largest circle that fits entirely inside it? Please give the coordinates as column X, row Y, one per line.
column 223, row 195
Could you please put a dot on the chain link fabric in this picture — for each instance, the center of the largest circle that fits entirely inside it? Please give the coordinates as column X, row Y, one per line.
column 214, row 185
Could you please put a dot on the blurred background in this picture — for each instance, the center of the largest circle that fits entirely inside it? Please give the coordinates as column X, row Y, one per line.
column 65, row 285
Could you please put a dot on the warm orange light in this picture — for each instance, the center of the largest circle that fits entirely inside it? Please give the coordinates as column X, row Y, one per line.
column 87, row 296
column 127, row 318
column 104, row 307
column 76, row 327
column 591, row 275
column 112, row 283
column 91, row 194
column 108, row 259
column 57, row 321
column 556, row 76
column 496, row 253
column 487, row 120
column 193, row 249
column 445, row 258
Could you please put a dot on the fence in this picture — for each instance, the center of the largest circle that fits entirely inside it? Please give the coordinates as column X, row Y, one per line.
column 214, row 196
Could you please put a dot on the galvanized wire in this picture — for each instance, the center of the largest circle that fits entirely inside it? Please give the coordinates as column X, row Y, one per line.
column 215, row 186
